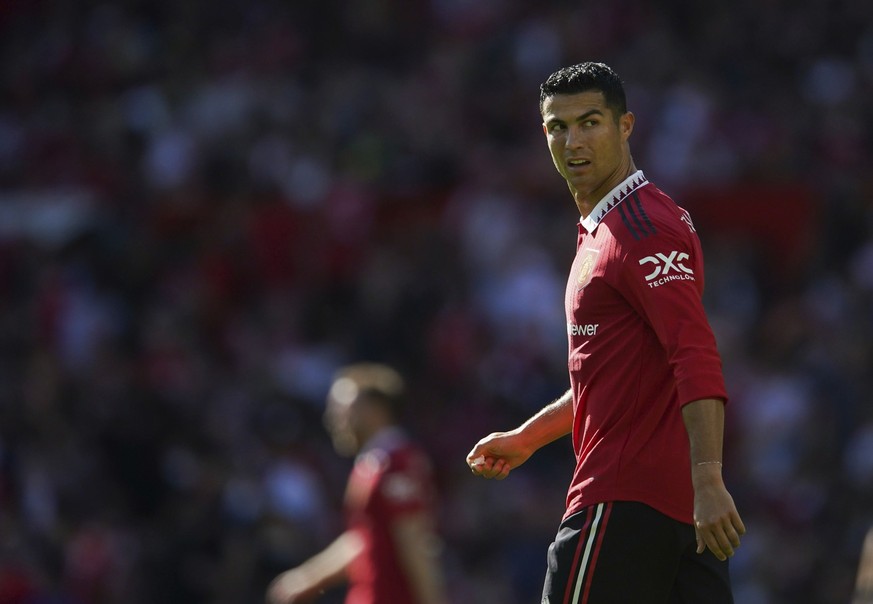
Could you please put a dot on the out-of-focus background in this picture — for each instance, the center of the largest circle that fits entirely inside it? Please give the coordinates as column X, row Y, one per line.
column 208, row 206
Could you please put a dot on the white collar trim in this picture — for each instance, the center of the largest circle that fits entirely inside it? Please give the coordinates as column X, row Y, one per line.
column 612, row 199
column 386, row 438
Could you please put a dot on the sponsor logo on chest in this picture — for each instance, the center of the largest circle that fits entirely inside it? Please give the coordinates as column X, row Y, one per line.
column 582, row 330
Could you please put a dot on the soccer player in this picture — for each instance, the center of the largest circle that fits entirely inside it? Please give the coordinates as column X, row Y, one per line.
column 648, row 517
column 389, row 551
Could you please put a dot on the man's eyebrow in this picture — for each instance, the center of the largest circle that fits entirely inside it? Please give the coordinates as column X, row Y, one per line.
column 579, row 118
column 588, row 114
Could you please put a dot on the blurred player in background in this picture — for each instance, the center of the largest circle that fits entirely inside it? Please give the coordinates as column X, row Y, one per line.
column 648, row 516
column 389, row 552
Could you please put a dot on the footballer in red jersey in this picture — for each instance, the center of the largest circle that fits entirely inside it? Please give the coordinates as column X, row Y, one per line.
column 390, row 485
column 648, row 516
column 637, row 333
column 388, row 552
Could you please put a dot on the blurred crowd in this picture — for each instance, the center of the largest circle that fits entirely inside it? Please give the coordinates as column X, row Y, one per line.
column 208, row 207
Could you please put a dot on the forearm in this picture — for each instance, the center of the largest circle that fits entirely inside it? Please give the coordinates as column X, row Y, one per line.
column 419, row 554
column 717, row 523
column 704, row 422
column 329, row 566
column 549, row 424
column 500, row 452
column 319, row 572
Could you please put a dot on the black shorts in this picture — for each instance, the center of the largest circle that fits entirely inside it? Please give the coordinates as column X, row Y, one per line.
column 623, row 552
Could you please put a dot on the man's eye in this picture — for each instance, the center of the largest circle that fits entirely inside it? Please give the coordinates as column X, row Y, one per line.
column 556, row 127
column 589, row 123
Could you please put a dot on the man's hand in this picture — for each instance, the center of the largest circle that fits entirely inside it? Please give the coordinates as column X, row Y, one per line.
column 290, row 587
column 323, row 570
column 497, row 454
column 717, row 523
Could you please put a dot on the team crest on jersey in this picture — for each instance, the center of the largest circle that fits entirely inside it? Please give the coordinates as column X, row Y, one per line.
column 587, row 262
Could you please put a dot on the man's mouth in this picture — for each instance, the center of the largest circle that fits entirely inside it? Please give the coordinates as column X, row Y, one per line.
column 575, row 163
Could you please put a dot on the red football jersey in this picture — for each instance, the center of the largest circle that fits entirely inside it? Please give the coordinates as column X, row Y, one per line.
column 640, row 348
column 391, row 478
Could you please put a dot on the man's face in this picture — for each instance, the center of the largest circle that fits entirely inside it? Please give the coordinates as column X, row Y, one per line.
column 588, row 145
column 342, row 417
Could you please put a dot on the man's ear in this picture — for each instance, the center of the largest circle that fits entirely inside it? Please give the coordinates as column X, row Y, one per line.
column 626, row 124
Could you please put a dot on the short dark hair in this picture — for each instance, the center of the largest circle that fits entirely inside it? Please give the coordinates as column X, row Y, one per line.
column 378, row 383
column 583, row 77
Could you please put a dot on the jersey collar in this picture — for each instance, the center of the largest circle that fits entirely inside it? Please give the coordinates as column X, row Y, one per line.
column 612, row 199
column 385, row 439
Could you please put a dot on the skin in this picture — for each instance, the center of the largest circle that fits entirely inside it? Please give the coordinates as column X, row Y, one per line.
column 716, row 521
column 588, row 144
column 589, row 147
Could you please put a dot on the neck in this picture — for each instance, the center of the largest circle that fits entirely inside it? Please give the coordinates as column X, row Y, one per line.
column 585, row 201
column 368, row 432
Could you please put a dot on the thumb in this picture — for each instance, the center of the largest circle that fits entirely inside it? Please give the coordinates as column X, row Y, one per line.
column 485, row 447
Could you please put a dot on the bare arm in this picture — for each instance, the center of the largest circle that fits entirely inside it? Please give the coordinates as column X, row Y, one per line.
column 419, row 551
column 716, row 520
column 323, row 570
column 501, row 452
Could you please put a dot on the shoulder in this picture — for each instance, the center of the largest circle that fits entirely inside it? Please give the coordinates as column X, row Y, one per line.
column 649, row 215
column 399, row 453
column 407, row 479
column 411, row 459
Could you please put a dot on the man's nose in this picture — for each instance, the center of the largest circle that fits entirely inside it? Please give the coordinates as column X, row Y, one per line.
column 574, row 137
